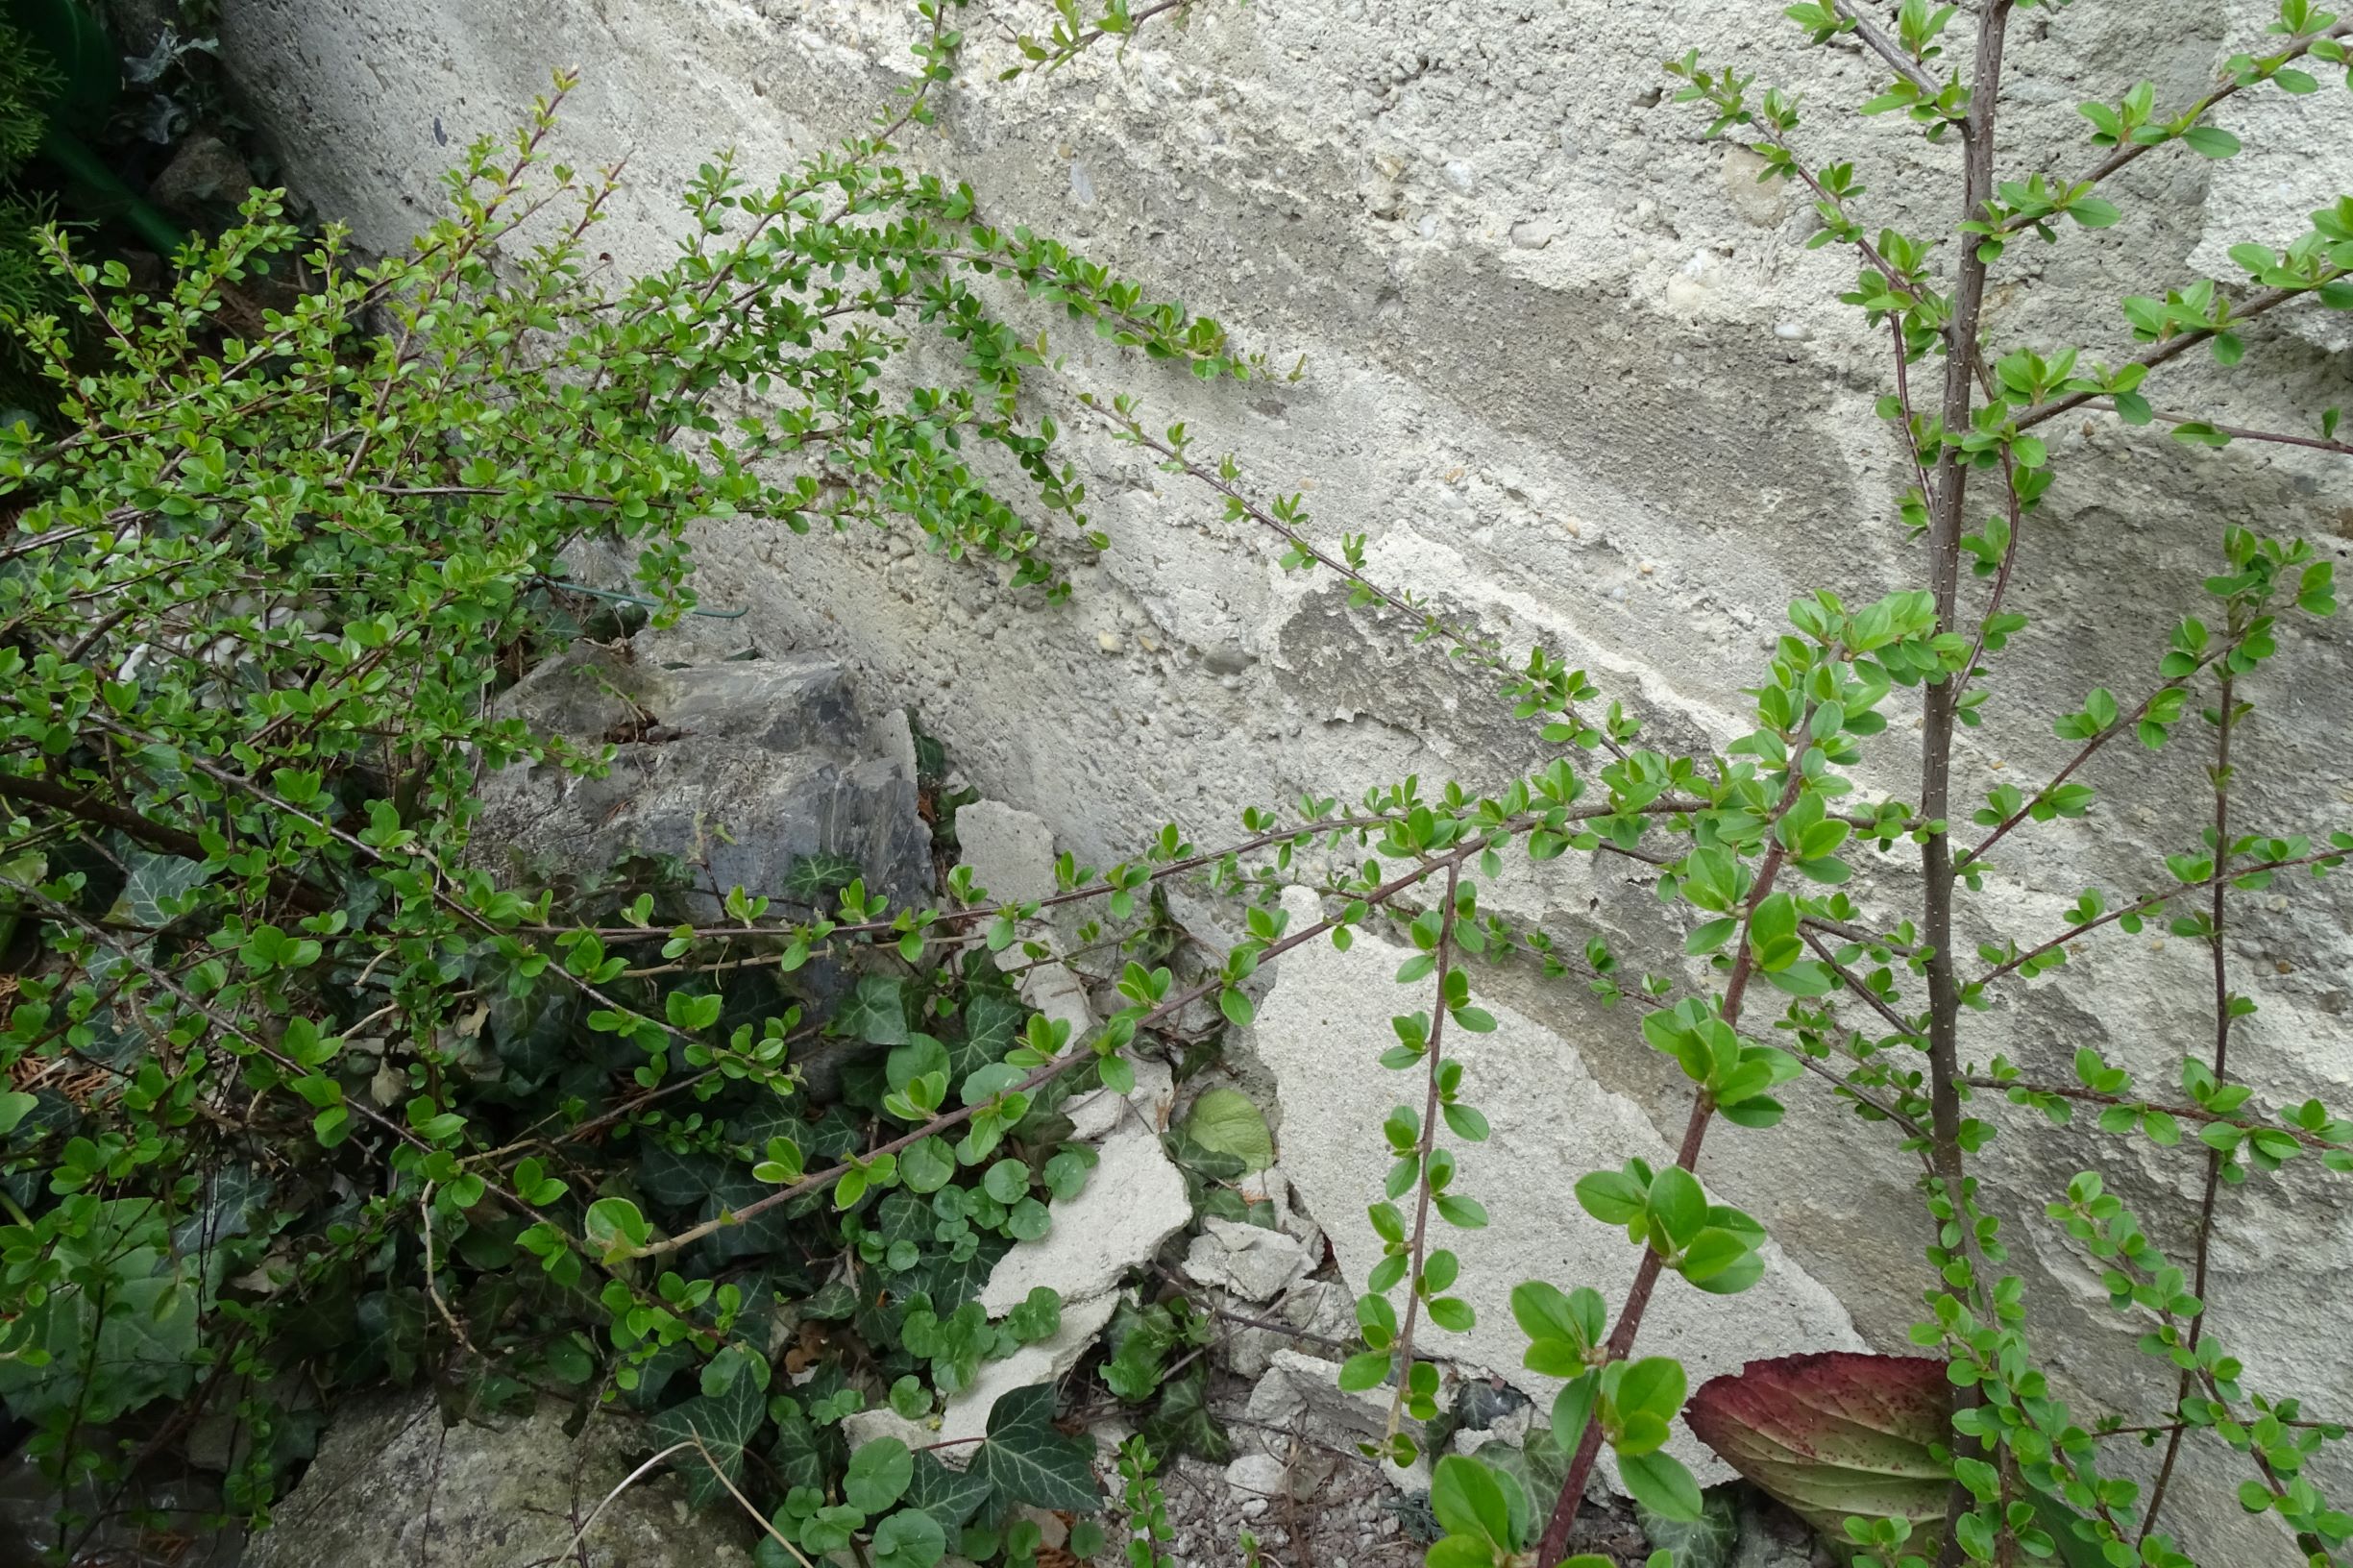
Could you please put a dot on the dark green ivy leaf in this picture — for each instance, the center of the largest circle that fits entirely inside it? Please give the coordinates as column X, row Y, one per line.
column 1028, row 1461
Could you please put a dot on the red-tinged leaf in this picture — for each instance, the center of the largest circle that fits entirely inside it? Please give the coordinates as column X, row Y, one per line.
column 1836, row 1435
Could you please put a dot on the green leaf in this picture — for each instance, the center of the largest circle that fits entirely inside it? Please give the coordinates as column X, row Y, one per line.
column 724, row 1423
column 1714, row 934
column 1026, row 1460
column 1366, row 1369
column 613, row 1225
column 1468, row 1500
column 1658, row 1481
column 15, row 1106
column 1228, row 1121
column 1544, row 1311
column 877, row 1012
column 1678, row 1204
column 1612, row 1196
column 878, row 1475
column 1573, row 1412
column 949, row 1496
column 920, row 1054
column 1655, row 1384
column 910, row 1539
column 927, row 1165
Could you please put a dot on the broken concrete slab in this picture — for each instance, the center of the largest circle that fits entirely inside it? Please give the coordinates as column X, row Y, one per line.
column 1318, row 1310
column 1247, row 1261
column 1134, row 1201
column 966, row 1416
column 880, row 1421
column 1301, row 1395
column 1256, row 1477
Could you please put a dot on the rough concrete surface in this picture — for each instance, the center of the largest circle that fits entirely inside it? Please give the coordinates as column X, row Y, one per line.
column 1573, row 373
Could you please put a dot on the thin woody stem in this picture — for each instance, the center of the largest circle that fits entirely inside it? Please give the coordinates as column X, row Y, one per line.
column 1563, row 1519
column 2225, row 717
column 1947, row 505
column 1422, row 1150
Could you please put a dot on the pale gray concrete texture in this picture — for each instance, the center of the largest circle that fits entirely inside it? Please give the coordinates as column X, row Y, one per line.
column 1575, row 374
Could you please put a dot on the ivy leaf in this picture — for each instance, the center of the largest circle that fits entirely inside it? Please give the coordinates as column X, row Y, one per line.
column 1228, row 1121
column 724, row 1423
column 155, row 885
column 877, row 1012
column 805, row 1454
column 1181, row 1421
column 142, row 1328
column 814, row 879
column 1026, row 1460
column 992, row 1023
column 949, row 1496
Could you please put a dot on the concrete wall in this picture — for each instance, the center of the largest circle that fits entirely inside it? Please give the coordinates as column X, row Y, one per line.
column 1572, row 371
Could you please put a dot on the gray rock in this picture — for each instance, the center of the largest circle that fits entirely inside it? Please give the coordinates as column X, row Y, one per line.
column 1256, row 1475
column 743, row 768
column 205, row 173
column 1324, row 1310
column 392, row 1484
column 1301, row 1395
